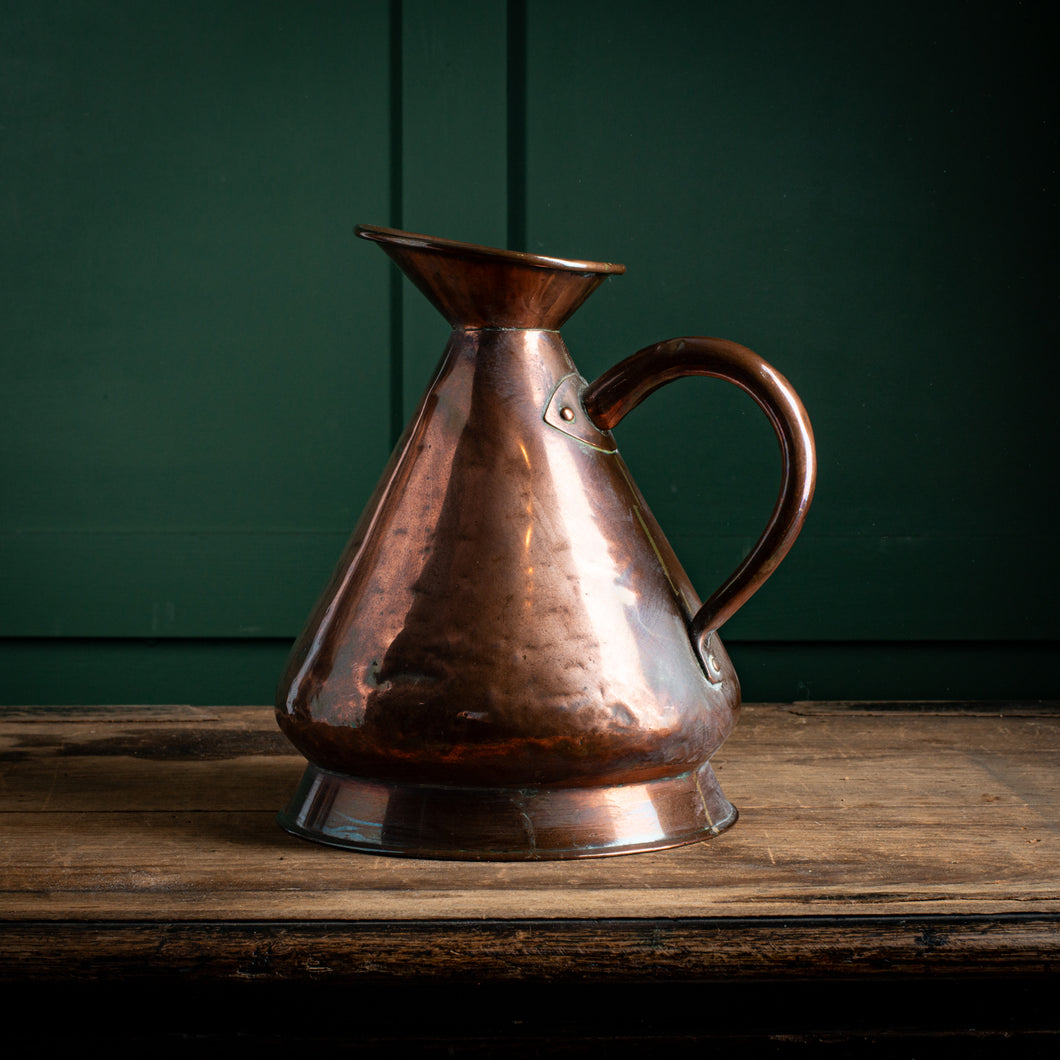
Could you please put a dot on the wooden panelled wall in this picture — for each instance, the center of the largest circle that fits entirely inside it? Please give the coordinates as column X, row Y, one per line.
column 203, row 370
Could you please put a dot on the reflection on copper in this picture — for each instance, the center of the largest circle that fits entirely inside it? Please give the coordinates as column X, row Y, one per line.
column 632, row 809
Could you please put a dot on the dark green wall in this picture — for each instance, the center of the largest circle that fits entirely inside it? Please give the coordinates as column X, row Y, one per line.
column 203, row 369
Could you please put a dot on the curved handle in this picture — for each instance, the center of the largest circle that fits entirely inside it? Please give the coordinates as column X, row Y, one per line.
column 627, row 384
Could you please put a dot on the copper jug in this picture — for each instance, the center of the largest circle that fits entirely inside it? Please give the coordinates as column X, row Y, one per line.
column 509, row 662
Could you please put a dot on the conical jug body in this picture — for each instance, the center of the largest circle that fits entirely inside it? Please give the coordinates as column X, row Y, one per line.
column 504, row 664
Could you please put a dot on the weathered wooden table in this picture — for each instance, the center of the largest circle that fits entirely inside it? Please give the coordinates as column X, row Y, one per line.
column 894, row 877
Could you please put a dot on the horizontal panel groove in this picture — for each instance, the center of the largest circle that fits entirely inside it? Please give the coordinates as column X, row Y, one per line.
column 823, row 644
column 262, row 583
column 126, row 533
column 866, row 540
column 52, row 670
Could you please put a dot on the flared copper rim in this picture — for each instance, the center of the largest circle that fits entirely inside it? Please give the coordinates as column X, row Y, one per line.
column 396, row 237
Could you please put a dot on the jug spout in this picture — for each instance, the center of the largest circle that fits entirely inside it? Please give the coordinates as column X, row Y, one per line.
column 480, row 287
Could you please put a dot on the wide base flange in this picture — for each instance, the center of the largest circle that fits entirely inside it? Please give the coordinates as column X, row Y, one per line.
column 506, row 824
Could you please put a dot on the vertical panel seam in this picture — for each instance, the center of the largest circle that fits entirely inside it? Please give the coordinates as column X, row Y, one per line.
column 396, row 218
column 516, row 123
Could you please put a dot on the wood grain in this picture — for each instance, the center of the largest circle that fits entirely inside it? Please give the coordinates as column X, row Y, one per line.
column 572, row 950
column 871, row 841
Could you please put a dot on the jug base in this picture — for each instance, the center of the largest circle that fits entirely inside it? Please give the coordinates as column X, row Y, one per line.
column 506, row 824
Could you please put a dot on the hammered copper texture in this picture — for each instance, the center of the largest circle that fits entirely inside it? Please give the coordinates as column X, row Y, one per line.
column 508, row 621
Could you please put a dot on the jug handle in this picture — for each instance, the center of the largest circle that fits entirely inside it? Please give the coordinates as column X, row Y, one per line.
column 621, row 388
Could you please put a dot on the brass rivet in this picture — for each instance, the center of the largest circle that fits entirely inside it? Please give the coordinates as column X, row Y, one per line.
column 567, row 413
